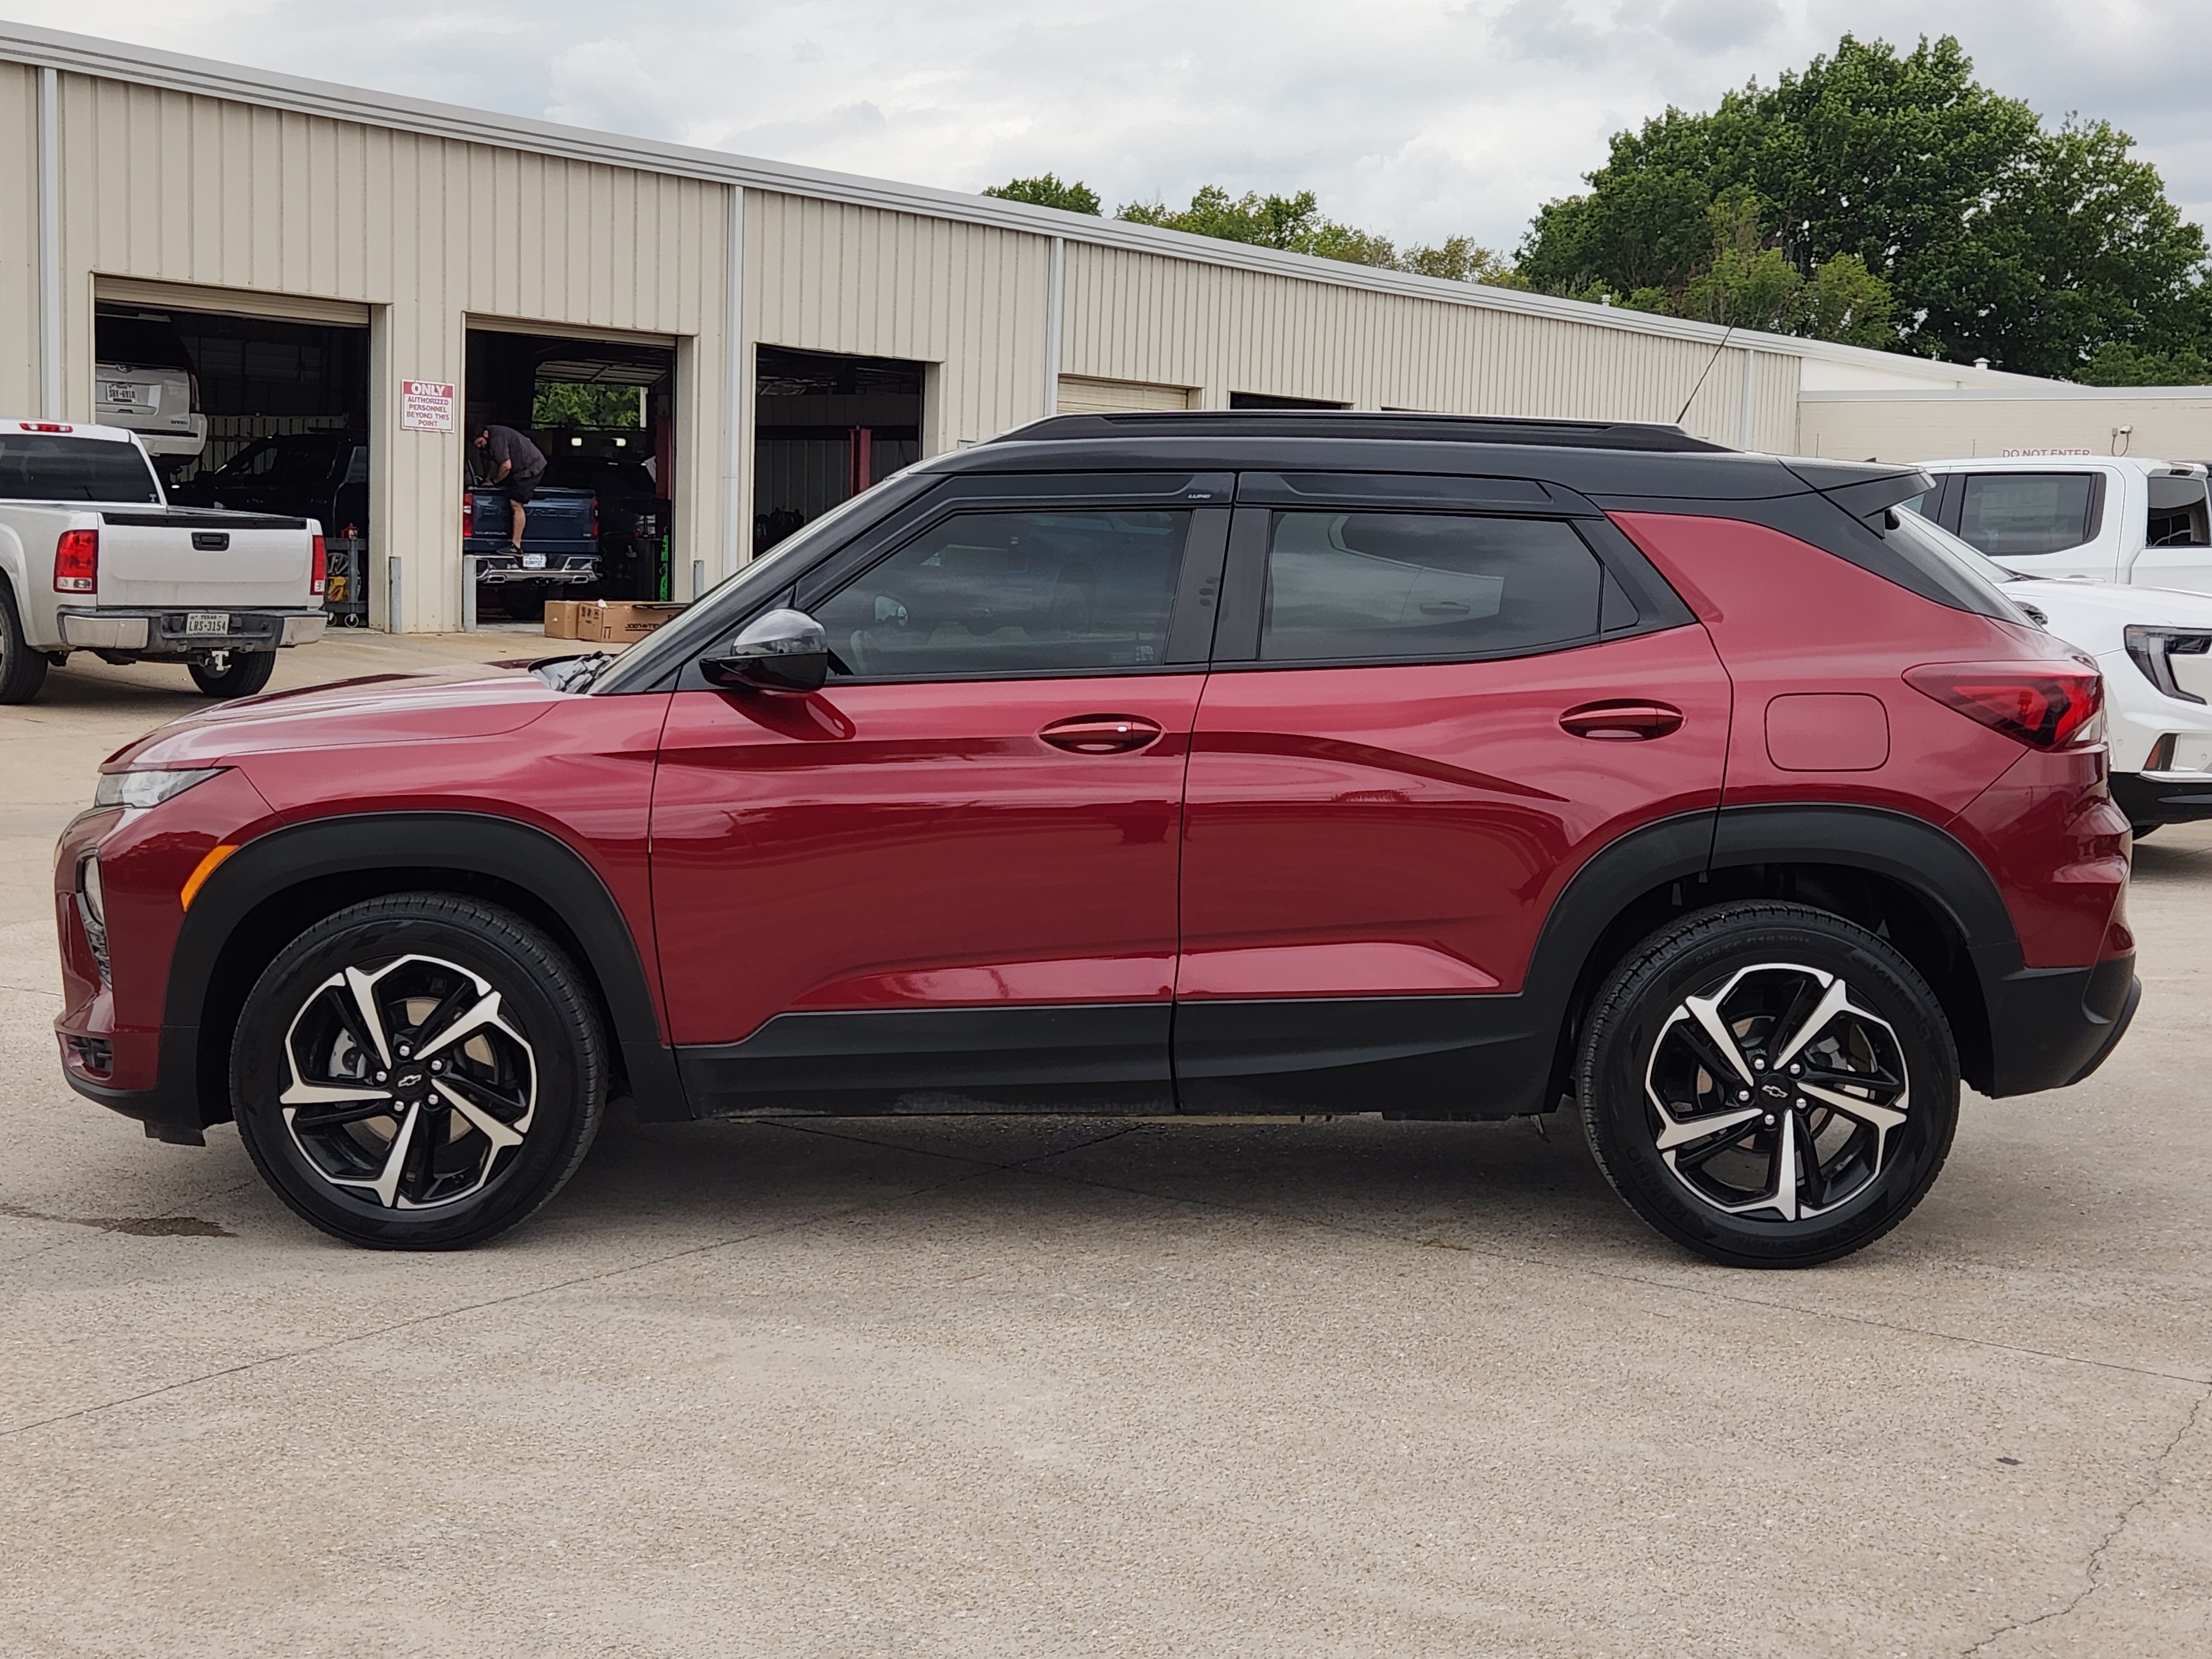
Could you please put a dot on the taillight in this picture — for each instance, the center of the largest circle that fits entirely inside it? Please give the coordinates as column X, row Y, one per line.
column 77, row 561
column 468, row 514
column 45, row 426
column 595, row 521
column 2044, row 705
column 322, row 573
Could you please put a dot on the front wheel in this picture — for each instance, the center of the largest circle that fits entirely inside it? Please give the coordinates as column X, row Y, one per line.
column 418, row 1072
column 1768, row 1084
column 246, row 673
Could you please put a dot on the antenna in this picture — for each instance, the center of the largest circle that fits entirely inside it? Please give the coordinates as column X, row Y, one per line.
column 1709, row 361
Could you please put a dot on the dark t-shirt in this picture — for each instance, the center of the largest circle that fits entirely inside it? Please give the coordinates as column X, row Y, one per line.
column 504, row 443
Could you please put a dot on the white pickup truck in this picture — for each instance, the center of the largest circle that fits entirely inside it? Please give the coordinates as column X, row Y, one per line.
column 2080, row 518
column 94, row 558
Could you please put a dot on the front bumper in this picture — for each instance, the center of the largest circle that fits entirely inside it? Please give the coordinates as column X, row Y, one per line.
column 2050, row 1027
column 167, row 633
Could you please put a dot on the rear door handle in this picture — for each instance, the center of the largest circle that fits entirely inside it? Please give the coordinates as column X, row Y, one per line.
column 1103, row 734
column 1622, row 722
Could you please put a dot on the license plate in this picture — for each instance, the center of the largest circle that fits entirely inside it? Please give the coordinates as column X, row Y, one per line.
column 122, row 393
column 533, row 562
column 207, row 621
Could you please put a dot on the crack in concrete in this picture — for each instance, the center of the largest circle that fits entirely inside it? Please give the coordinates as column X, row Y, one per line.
column 986, row 1169
column 142, row 1227
column 2096, row 1558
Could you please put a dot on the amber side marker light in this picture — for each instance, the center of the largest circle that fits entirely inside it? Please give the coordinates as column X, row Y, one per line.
column 202, row 870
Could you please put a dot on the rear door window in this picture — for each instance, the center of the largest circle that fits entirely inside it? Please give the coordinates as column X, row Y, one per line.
column 1374, row 586
column 2012, row 514
column 991, row 595
column 2177, row 517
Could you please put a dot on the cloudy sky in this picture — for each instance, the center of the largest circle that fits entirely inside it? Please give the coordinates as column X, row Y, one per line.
column 1410, row 116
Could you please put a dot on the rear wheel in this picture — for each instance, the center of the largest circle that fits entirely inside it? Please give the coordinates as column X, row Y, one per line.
column 419, row 1072
column 246, row 673
column 23, row 671
column 1768, row 1084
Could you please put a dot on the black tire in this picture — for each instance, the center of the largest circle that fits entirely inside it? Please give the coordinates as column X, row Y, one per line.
column 523, row 601
column 404, row 1159
column 248, row 672
column 1715, row 1130
column 2142, row 829
column 23, row 671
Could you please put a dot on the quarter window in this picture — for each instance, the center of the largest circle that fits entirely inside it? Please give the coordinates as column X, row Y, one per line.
column 987, row 595
column 1359, row 587
column 2177, row 514
column 2010, row 515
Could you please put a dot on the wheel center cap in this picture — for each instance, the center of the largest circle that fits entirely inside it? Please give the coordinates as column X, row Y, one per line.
column 1775, row 1091
column 410, row 1081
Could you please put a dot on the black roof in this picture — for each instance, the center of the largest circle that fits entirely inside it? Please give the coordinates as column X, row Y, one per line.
column 1645, row 435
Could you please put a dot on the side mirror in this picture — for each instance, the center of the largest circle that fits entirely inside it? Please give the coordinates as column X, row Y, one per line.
column 782, row 650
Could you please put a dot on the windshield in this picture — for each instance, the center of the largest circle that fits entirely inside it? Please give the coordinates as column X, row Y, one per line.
column 37, row 467
column 1964, row 552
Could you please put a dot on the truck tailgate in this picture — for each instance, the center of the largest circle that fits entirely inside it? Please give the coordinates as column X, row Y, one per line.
column 205, row 559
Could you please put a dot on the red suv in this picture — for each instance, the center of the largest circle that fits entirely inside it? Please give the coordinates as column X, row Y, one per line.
column 1272, row 763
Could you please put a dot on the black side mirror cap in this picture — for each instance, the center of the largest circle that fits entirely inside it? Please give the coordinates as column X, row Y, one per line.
column 785, row 650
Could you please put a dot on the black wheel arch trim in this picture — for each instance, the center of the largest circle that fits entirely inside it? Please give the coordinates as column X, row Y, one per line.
column 192, row 1090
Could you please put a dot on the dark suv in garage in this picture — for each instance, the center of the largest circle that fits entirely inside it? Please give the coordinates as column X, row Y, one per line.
column 1262, row 764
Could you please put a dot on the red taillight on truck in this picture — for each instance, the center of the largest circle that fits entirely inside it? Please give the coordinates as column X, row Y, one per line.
column 468, row 514
column 2044, row 705
column 77, row 561
column 321, row 578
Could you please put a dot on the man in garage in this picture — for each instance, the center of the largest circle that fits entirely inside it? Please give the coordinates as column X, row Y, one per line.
column 517, row 465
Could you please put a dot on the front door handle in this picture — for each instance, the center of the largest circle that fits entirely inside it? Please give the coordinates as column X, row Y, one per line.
column 1103, row 734
column 1622, row 722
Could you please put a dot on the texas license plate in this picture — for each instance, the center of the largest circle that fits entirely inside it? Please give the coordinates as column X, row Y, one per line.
column 121, row 391
column 207, row 621
column 533, row 562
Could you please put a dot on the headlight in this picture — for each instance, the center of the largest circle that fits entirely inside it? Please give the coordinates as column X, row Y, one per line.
column 88, row 889
column 148, row 788
column 2152, row 647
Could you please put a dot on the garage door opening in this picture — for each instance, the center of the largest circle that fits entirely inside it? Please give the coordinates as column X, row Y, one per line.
column 825, row 427
column 255, row 414
column 601, row 522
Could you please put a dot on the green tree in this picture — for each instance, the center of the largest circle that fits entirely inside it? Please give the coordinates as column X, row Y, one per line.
column 1297, row 225
column 1047, row 190
column 1927, row 213
column 557, row 403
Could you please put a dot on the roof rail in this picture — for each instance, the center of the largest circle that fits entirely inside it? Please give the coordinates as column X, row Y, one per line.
column 1648, row 436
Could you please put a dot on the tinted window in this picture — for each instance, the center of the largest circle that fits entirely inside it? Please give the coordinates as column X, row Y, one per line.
column 37, row 468
column 1363, row 586
column 997, row 593
column 2011, row 513
column 2177, row 514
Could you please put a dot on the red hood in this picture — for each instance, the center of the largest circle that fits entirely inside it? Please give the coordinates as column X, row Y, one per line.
column 471, row 701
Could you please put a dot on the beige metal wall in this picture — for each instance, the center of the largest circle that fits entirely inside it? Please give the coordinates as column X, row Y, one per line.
column 166, row 187
column 1135, row 316
column 254, row 206
column 2172, row 426
column 19, row 237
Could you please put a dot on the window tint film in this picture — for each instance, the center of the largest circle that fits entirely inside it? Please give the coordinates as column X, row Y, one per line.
column 1344, row 586
column 2011, row 513
column 35, row 468
column 2177, row 514
column 988, row 594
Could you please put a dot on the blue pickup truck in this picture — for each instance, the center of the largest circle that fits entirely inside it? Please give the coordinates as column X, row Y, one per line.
column 560, row 547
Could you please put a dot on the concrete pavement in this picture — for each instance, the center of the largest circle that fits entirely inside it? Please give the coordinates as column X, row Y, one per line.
column 1078, row 1386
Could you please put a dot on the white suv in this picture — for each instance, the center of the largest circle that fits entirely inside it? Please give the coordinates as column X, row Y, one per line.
column 2154, row 645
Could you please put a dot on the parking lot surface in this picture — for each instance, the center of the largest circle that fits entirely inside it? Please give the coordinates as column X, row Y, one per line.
column 1085, row 1386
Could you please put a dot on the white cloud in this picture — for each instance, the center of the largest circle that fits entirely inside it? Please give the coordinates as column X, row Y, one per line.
column 1417, row 117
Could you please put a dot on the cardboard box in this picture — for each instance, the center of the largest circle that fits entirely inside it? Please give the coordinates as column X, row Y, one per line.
column 619, row 622
column 560, row 618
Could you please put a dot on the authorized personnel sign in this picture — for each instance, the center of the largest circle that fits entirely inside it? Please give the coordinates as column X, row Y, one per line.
column 426, row 406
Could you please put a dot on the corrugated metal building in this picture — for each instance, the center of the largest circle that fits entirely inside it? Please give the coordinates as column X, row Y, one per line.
column 798, row 313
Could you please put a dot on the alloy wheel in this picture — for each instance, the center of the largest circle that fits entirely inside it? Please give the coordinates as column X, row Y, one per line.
column 1776, row 1094
column 407, row 1084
